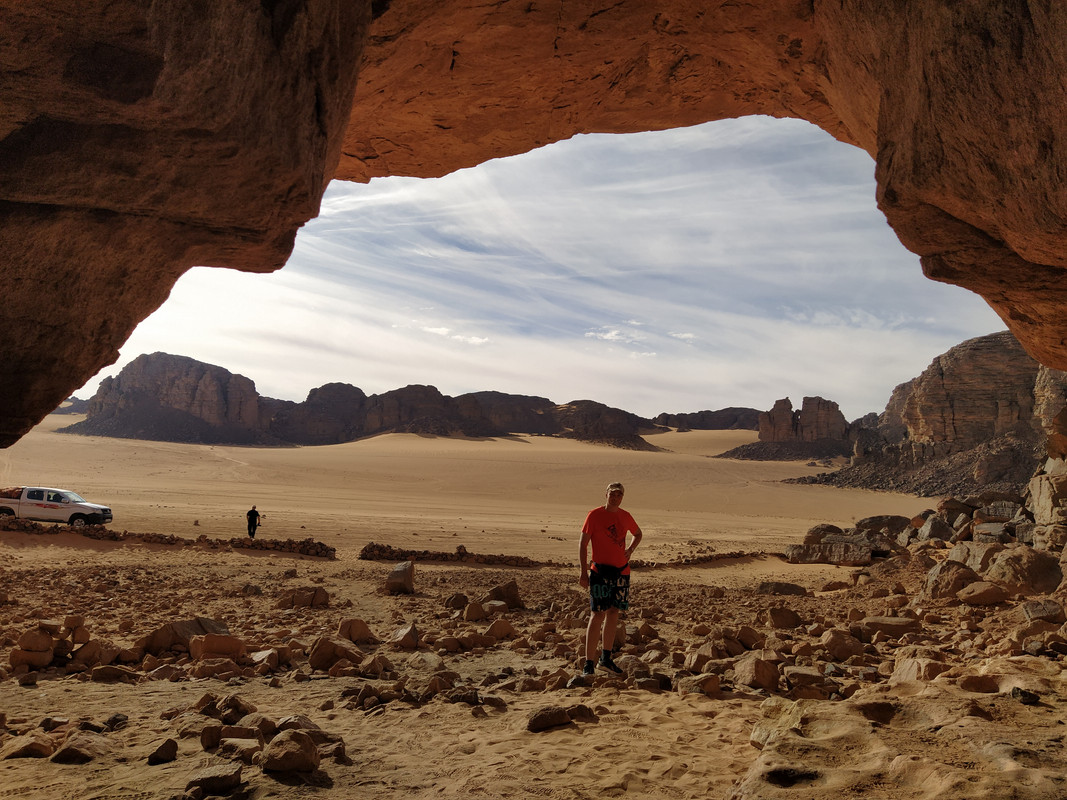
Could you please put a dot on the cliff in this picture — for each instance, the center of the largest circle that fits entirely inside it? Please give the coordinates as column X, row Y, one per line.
column 977, row 417
column 173, row 398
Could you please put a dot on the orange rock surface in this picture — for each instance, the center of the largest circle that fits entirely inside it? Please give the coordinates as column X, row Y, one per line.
column 138, row 140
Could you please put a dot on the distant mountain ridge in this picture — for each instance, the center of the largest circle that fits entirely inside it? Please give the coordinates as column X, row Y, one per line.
column 172, row 398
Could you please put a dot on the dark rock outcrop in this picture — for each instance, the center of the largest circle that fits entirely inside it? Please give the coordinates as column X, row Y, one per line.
column 139, row 139
column 725, row 419
column 174, row 398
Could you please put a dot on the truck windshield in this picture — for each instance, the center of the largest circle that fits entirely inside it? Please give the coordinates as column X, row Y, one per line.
column 75, row 497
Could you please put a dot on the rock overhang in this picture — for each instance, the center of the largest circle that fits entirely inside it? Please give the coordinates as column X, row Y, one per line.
column 138, row 140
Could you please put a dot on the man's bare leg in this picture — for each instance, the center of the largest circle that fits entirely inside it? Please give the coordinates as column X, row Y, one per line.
column 595, row 632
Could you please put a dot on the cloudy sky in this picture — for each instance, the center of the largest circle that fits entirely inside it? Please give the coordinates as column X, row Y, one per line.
column 728, row 264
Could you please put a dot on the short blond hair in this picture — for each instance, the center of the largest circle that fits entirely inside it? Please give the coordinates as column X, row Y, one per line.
column 616, row 485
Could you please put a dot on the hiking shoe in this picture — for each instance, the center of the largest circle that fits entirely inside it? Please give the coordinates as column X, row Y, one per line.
column 588, row 669
column 607, row 663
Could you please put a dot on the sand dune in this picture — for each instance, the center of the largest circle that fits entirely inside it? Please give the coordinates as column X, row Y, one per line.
column 522, row 495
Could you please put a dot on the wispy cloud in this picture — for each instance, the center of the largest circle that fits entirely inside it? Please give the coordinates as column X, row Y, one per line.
column 727, row 264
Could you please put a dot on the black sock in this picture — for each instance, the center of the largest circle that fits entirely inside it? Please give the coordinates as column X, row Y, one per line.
column 605, row 655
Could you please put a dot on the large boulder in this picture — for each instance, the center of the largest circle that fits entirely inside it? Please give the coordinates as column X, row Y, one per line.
column 401, row 579
column 180, row 632
column 1026, row 570
column 292, row 750
column 947, row 578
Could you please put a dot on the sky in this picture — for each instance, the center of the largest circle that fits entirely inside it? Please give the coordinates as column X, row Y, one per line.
column 727, row 264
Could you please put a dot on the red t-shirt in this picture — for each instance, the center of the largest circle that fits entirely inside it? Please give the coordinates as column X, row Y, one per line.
column 607, row 531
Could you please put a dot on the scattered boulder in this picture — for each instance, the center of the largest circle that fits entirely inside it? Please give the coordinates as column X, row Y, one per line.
column 180, row 632
column 215, row 645
column 505, row 592
column 35, row 744
column 756, row 673
column 81, row 747
column 780, row 618
column 840, row 645
column 328, row 650
column 935, row 528
column 548, row 717
column 890, row 627
column 982, row 593
column 1044, row 609
column 947, row 578
column 166, row 752
column 977, row 556
column 405, row 638
column 705, row 683
column 401, row 580
column 1026, row 570
column 356, row 630
column 304, row 597
column 218, row 779
column 292, row 750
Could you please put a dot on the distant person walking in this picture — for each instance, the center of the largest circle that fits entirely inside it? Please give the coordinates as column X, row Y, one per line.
column 253, row 521
column 608, row 579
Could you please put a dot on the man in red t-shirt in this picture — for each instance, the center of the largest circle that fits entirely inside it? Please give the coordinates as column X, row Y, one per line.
column 608, row 580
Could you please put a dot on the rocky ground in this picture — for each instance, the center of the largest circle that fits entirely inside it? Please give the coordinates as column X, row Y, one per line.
column 142, row 670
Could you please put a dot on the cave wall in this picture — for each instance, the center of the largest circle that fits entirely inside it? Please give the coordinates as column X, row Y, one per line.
column 139, row 138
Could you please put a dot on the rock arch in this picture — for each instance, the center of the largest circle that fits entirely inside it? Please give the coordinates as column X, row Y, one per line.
column 139, row 138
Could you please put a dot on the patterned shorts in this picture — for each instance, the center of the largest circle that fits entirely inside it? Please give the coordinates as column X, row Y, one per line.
column 609, row 587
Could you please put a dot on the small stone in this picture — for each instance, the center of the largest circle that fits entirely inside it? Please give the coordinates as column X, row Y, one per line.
column 547, row 717
column 1024, row 696
column 165, row 753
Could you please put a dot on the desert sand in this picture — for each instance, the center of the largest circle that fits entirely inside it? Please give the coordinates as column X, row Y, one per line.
column 514, row 496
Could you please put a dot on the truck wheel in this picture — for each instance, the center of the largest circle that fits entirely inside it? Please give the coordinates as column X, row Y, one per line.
column 77, row 521
column 6, row 512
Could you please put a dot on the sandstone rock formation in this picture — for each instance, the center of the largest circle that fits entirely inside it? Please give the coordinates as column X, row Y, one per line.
column 137, row 139
column 817, row 419
column 977, row 417
column 818, row 430
column 725, row 419
column 174, row 398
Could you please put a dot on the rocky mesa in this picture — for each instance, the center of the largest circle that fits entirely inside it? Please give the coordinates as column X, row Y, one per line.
column 178, row 399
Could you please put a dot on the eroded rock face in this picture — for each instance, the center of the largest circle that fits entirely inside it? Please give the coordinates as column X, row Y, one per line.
column 817, row 419
column 138, row 139
column 976, row 417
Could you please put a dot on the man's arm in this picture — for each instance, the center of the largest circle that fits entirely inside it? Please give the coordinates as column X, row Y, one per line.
column 583, row 559
column 635, row 539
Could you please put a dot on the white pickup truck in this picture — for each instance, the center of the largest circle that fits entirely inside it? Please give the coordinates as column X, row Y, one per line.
column 51, row 505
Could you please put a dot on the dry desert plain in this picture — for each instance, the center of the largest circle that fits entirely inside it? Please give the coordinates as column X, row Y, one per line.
column 418, row 730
